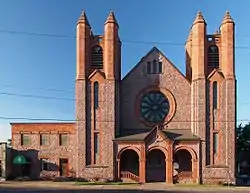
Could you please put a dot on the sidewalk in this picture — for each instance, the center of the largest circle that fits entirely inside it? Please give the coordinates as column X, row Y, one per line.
column 149, row 186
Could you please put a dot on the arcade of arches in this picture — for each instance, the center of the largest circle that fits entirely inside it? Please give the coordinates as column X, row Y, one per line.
column 158, row 160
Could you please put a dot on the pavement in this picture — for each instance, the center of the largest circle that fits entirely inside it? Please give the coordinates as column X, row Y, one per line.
column 69, row 187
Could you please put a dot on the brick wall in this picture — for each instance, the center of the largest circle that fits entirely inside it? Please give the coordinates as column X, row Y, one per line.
column 52, row 151
column 171, row 79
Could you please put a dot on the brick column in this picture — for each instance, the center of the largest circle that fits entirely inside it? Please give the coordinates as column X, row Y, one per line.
column 169, row 171
column 169, row 164
column 118, row 169
column 195, row 170
column 142, row 170
column 142, row 166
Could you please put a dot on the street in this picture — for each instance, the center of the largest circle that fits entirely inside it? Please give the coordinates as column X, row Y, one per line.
column 64, row 187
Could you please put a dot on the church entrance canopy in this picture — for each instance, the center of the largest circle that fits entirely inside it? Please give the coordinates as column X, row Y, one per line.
column 154, row 154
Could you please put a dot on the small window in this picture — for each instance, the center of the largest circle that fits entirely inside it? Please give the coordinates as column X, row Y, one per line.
column 160, row 67
column 96, row 146
column 44, row 139
column 63, row 139
column 154, row 67
column 97, row 57
column 215, row 95
column 215, row 143
column 149, row 67
column 44, row 164
column 96, row 95
column 25, row 139
column 213, row 56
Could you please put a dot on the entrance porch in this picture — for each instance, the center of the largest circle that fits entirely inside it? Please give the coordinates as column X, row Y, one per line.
column 159, row 156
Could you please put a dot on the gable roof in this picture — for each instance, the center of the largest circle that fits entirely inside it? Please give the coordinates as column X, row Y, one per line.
column 144, row 57
column 172, row 134
column 95, row 72
column 214, row 71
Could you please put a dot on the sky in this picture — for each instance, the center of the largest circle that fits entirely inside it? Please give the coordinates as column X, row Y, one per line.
column 38, row 49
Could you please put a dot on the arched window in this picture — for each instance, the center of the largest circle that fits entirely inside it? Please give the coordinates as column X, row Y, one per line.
column 215, row 143
column 213, row 56
column 96, row 94
column 215, row 95
column 154, row 66
column 97, row 57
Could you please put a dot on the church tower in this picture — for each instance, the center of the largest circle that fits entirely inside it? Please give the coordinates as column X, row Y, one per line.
column 211, row 70
column 97, row 96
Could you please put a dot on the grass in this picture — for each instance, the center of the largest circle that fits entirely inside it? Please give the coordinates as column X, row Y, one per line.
column 201, row 185
column 105, row 183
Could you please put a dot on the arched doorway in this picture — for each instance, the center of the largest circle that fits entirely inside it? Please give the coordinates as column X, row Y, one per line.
column 129, row 162
column 156, row 166
column 182, row 166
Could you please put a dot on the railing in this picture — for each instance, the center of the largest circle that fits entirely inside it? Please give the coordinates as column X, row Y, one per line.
column 129, row 175
column 184, row 175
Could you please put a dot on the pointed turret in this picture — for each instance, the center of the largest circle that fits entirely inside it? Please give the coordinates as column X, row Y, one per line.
column 83, row 18
column 112, row 48
column 111, row 18
column 198, row 46
column 83, row 31
column 199, row 18
column 227, row 46
column 227, row 18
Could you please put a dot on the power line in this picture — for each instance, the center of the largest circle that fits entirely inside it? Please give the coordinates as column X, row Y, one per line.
column 35, row 96
column 123, row 41
column 74, row 120
column 62, row 98
column 39, row 88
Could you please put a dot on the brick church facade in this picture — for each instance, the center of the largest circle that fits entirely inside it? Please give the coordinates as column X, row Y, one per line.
column 155, row 124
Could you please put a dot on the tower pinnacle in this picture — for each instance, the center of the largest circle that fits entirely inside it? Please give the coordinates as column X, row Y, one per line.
column 83, row 18
column 111, row 18
column 199, row 18
column 227, row 18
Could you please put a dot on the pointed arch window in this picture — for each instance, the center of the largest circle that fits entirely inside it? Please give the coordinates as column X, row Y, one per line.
column 97, row 57
column 96, row 95
column 215, row 143
column 154, row 66
column 215, row 95
column 213, row 56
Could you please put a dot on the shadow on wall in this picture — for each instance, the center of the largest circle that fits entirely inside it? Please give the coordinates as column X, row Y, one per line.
column 26, row 164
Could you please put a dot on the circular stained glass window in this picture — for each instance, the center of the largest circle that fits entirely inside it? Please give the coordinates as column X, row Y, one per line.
column 154, row 106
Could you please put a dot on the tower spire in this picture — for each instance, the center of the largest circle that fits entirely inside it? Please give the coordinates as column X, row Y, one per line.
column 111, row 18
column 227, row 18
column 83, row 18
column 199, row 18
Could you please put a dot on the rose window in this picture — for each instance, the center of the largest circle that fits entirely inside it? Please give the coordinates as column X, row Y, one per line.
column 154, row 106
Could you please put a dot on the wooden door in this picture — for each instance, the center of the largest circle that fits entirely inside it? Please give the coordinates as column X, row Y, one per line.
column 64, row 168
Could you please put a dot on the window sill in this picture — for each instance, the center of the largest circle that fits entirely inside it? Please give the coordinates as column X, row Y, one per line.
column 216, row 166
column 96, row 166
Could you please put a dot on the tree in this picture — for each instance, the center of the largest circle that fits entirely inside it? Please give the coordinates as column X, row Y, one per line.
column 9, row 142
column 243, row 138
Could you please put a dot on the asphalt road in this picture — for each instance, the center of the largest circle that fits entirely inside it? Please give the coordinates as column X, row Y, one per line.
column 51, row 190
column 69, row 187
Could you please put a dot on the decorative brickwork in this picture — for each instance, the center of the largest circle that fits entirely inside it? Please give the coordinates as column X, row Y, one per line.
column 197, row 119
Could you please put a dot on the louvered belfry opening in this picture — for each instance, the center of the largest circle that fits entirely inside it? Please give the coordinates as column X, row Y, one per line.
column 213, row 56
column 97, row 57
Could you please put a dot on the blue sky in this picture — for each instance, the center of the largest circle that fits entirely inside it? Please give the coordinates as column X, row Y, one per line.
column 45, row 66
